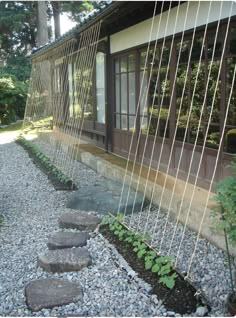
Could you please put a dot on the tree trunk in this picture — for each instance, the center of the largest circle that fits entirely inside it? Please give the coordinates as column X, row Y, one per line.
column 56, row 17
column 42, row 26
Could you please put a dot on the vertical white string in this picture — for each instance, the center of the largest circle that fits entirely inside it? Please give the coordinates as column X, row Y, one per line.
column 92, row 57
column 198, row 129
column 143, row 113
column 137, row 111
column 221, row 138
column 139, row 135
column 87, row 93
column 160, row 107
column 172, row 94
column 213, row 175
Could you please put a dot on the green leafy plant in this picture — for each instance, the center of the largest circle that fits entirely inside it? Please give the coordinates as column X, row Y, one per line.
column 45, row 161
column 224, row 214
column 161, row 265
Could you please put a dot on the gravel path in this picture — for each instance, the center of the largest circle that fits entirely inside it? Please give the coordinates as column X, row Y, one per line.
column 31, row 208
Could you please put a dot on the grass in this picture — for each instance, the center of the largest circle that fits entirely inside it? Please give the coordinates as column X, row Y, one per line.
column 17, row 126
column 12, row 127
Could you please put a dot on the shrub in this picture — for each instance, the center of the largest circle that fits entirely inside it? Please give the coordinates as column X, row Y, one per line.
column 13, row 94
column 231, row 141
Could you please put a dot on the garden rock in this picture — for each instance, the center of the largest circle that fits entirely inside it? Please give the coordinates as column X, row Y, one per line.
column 48, row 293
column 64, row 260
column 61, row 240
column 201, row 311
column 79, row 221
column 104, row 196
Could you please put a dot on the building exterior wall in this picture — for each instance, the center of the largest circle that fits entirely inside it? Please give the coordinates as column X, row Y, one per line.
column 140, row 33
column 122, row 132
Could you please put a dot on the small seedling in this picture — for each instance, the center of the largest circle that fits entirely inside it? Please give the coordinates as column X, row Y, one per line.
column 44, row 160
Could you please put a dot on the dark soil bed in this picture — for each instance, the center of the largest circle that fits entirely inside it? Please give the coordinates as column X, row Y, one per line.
column 58, row 185
column 181, row 299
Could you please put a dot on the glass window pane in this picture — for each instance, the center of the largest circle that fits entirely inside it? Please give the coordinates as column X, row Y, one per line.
column 164, row 87
column 117, row 66
column 230, row 140
column 124, row 93
column 117, row 93
column 210, row 45
column 143, row 97
column 124, row 67
column 131, row 60
column 142, row 59
column 132, row 93
column 183, row 51
column 149, row 60
column 88, row 109
column 100, row 87
column 197, row 48
column 231, row 118
column 181, row 131
column 196, row 133
column 100, row 70
column 232, row 41
column 132, row 123
column 71, row 97
column 117, row 121
column 144, row 125
column 213, row 136
column 164, row 128
column 213, row 93
column 182, row 84
column 198, row 98
column 165, row 56
column 124, row 123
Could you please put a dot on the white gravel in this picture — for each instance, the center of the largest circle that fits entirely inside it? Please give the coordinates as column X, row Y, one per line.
column 31, row 208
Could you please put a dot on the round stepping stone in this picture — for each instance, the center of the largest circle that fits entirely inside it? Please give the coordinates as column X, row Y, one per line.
column 67, row 240
column 48, row 293
column 79, row 221
column 64, row 260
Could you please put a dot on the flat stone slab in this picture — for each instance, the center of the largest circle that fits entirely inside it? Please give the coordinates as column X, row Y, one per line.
column 62, row 240
column 104, row 197
column 48, row 293
column 64, row 260
column 79, row 220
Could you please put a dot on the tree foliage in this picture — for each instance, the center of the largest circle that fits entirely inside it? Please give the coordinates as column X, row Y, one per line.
column 18, row 65
column 18, row 27
column 18, row 35
column 76, row 10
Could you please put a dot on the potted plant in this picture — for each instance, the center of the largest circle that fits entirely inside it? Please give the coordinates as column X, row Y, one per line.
column 225, row 219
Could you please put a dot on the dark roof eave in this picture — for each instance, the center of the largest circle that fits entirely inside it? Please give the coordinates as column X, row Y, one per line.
column 77, row 30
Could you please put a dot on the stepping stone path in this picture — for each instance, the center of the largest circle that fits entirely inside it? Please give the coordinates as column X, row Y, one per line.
column 48, row 293
column 79, row 221
column 64, row 260
column 104, row 196
column 66, row 253
column 67, row 240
